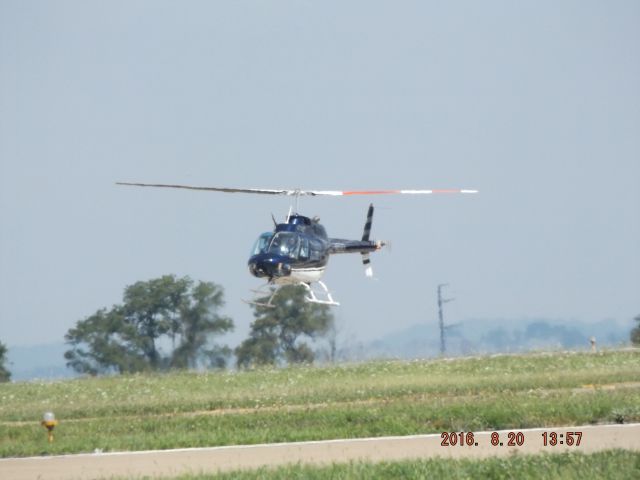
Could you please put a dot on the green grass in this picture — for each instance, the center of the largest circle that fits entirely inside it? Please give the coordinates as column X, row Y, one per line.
column 619, row 464
column 305, row 403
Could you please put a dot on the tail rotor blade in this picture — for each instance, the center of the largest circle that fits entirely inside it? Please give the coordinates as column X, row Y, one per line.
column 367, row 225
column 366, row 261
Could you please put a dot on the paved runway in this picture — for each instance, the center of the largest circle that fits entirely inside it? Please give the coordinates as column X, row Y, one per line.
column 161, row 463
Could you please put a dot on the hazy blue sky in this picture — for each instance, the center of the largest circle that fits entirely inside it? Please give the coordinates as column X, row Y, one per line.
column 536, row 104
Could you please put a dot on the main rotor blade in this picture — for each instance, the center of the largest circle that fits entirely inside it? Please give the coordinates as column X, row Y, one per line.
column 390, row 192
column 265, row 191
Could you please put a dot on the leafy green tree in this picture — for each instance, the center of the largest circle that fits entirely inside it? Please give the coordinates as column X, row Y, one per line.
column 198, row 321
column 154, row 313
column 151, row 308
column 101, row 343
column 278, row 333
column 5, row 375
column 635, row 332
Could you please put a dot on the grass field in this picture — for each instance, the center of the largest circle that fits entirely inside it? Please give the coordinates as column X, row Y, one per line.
column 306, row 403
column 618, row 464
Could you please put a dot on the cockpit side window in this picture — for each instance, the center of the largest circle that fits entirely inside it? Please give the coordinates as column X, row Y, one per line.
column 262, row 243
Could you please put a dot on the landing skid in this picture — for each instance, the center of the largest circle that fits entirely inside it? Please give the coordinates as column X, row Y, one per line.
column 325, row 292
column 322, row 296
column 265, row 290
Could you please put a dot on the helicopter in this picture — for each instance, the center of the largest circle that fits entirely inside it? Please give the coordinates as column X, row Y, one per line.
column 297, row 251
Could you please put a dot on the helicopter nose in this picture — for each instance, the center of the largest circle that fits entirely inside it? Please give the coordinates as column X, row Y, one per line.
column 269, row 267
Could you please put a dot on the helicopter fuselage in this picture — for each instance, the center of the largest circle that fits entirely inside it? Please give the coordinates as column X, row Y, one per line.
column 298, row 251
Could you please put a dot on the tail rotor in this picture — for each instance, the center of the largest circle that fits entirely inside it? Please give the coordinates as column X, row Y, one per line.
column 366, row 261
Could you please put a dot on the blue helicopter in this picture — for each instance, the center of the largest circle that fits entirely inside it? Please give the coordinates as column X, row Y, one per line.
column 297, row 251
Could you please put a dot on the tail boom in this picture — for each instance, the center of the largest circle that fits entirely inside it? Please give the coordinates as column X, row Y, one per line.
column 337, row 245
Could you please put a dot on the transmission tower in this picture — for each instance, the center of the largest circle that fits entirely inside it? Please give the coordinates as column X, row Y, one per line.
column 442, row 301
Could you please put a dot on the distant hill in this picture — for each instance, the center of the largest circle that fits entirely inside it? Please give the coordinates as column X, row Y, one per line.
column 39, row 362
column 493, row 336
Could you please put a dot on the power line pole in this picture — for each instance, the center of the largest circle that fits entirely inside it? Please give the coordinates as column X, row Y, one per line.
column 442, row 301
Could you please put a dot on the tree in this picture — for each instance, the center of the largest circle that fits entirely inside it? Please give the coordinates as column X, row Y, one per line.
column 5, row 375
column 128, row 337
column 197, row 323
column 277, row 333
column 102, row 343
column 635, row 332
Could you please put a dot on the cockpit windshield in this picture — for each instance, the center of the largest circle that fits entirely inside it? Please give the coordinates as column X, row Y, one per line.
column 262, row 243
column 286, row 244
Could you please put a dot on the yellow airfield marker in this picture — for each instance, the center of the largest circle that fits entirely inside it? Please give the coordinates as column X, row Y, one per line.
column 49, row 422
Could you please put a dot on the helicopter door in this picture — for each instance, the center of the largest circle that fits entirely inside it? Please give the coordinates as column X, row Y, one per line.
column 304, row 249
column 316, row 250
